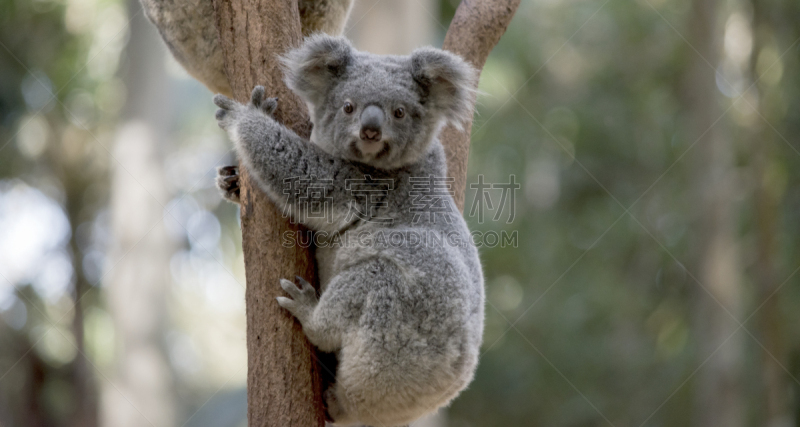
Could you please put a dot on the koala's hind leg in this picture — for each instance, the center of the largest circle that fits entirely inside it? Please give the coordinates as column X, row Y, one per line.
column 324, row 319
column 324, row 16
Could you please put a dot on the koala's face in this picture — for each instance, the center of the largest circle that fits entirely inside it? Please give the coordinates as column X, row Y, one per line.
column 380, row 110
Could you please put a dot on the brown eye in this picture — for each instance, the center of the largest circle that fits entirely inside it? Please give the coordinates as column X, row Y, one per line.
column 400, row 113
column 348, row 107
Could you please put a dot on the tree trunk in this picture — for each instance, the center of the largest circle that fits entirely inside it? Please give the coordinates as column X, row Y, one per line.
column 283, row 380
column 716, row 293
column 393, row 27
column 83, row 374
column 284, row 387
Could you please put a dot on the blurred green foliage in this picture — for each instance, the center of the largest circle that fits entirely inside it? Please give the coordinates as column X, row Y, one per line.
column 583, row 103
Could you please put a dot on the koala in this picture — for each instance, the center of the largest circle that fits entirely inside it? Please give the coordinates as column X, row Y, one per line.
column 190, row 32
column 404, row 312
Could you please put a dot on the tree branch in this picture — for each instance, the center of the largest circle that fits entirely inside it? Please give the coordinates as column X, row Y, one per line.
column 475, row 30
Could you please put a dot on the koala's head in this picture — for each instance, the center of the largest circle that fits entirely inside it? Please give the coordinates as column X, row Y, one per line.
column 378, row 109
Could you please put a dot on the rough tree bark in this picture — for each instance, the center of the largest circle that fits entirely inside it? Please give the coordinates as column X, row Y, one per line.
column 283, row 380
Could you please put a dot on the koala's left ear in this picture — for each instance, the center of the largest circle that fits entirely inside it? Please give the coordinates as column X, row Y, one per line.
column 311, row 69
column 447, row 81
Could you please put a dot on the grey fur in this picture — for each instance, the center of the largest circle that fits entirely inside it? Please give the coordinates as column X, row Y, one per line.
column 405, row 320
column 189, row 31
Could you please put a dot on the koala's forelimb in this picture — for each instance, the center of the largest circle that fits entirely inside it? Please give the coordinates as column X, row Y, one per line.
column 292, row 171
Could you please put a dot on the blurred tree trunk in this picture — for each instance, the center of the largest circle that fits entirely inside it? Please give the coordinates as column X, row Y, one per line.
column 75, row 180
column 142, row 390
column 718, row 386
column 393, row 28
column 766, row 202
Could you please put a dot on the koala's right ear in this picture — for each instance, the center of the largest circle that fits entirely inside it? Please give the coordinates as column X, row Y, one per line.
column 310, row 69
column 447, row 81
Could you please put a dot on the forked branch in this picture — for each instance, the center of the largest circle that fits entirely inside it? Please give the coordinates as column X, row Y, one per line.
column 475, row 30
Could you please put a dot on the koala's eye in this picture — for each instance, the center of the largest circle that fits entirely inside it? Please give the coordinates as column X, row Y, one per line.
column 400, row 113
column 348, row 107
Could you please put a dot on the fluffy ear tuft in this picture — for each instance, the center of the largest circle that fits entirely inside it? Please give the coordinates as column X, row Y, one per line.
column 447, row 81
column 310, row 69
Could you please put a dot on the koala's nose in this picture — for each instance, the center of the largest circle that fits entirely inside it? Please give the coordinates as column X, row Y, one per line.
column 371, row 121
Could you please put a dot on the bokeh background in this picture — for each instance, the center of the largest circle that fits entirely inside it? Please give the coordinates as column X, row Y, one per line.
column 652, row 278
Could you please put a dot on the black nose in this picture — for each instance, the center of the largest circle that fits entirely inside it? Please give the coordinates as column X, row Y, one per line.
column 371, row 121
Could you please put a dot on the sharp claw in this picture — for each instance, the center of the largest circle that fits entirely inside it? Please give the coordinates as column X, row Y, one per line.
column 228, row 182
column 228, row 170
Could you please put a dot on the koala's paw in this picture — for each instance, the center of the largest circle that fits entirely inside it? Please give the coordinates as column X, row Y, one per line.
column 228, row 183
column 259, row 101
column 302, row 301
column 230, row 112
